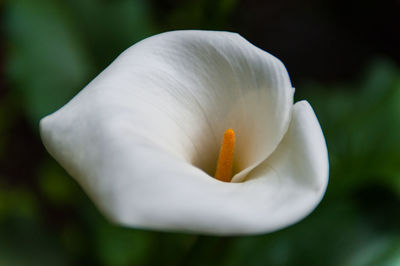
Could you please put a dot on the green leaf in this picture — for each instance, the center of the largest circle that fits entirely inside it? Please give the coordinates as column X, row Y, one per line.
column 361, row 123
column 110, row 27
column 47, row 62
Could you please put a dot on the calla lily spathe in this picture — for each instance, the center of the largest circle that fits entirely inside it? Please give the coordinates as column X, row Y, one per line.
column 142, row 138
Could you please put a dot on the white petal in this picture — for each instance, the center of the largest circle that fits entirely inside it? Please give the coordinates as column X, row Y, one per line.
column 133, row 137
column 183, row 89
column 296, row 175
column 135, row 183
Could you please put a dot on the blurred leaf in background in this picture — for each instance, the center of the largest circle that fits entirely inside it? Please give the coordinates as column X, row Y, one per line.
column 362, row 123
column 47, row 63
column 56, row 47
column 194, row 14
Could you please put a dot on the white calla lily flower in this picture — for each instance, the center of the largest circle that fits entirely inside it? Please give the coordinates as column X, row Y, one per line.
column 143, row 138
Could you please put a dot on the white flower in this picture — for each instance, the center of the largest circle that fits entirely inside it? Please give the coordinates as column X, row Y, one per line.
column 143, row 138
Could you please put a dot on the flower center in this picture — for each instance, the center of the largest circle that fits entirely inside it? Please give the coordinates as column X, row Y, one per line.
column 225, row 159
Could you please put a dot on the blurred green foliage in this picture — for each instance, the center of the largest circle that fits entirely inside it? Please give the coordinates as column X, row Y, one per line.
column 55, row 47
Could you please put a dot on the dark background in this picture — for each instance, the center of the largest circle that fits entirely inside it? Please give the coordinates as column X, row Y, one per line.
column 342, row 56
